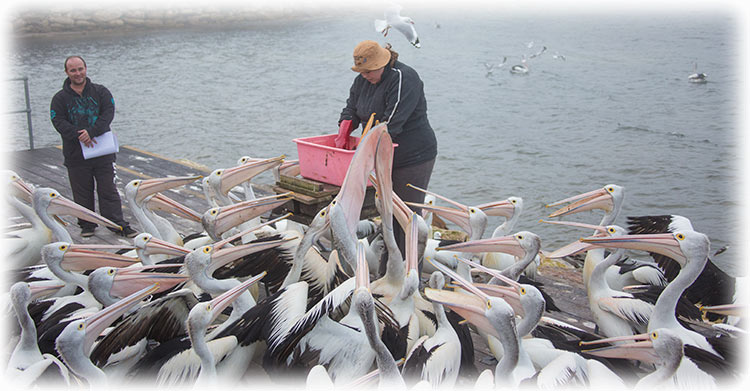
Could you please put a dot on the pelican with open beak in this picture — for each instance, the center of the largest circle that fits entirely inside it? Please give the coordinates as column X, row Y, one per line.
column 222, row 181
column 147, row 245
column 524, row 245
column 48, row 203
column 75, row 341
column 217, row 221
column 109, row 284
column 609, row 198
column 661, row 347
column 83, row 257
column 163, row 203
column 201, row 316
column 140, row 189
column 492, row 316
column 345, row 209
column 470, row 219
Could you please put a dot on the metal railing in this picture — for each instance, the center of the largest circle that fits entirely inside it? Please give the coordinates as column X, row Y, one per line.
column 27, row 110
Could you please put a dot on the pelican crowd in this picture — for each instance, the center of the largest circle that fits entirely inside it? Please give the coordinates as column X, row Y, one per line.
column 257, row 300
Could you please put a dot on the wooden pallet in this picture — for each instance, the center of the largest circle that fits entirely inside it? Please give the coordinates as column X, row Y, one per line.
column 310, row 196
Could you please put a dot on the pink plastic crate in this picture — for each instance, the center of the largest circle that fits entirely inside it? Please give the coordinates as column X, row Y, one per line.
column 321, row 161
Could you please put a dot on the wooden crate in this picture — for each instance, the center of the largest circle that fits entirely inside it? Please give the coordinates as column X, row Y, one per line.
column 310, row 196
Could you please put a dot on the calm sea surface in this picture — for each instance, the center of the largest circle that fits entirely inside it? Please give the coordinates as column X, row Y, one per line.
column 618, row 109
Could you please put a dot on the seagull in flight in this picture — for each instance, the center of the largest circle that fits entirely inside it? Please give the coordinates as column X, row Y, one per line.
column 539, row 53
column 491, row 66
column 404, row 24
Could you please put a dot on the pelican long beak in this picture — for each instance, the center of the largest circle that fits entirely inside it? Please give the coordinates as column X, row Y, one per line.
column 570, row 249
column 458, row 279
column 151, row 186
column 60, row 205
column 97, row 323
column 216, row 221
column 158, row 246
column 412, row 250
column 459, row 217
column 577, row 246
column 44, row 288
column 129, row 280
column 448, row 200
column 221, row 302
column 726, row 309
column 362, row 275
column 230, row 239
column 640, row 348
column 352, row 192
column 79, row 258
column 384, row 183
column 469, row 307
column 509, row 294
column 21, row 189
column 165, row 204
column 224, row 255
column 494, row 273
column 401, row 211
column 505, row 244
column 504, row 208
column 231, row 177
column 290, row 168
column 596, row 199
column 665, row 244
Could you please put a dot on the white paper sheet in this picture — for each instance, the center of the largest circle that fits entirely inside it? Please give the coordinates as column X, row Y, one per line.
column 105, row 144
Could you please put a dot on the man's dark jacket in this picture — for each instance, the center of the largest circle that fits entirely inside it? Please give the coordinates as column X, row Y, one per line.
column 93, row 110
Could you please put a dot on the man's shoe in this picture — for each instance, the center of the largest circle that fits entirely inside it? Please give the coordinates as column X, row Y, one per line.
column 87, row 231
column 129, row 232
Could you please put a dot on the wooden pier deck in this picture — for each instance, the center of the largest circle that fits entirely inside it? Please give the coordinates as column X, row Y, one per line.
column 43, row 167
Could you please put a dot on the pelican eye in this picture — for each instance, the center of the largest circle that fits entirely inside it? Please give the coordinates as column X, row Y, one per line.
column 207, row 249
column 111, row 271
column 654, row 335
column 53, row 195
column 136, row 183
column 81, row 326
column 489, row 305
column 214, row 211
column 519, row 237
column 513, row 202
column 472, row 210
column 322, row 213
column 333, row 202
column 208, row 307
column 523, row 290
column 63, row 247
column 610, row 189
column 680, row 236
column 611, row 230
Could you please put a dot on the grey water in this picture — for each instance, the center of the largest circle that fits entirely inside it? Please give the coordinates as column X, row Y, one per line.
column 618, row 109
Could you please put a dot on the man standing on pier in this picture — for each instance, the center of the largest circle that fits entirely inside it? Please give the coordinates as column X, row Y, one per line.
column 81, row 111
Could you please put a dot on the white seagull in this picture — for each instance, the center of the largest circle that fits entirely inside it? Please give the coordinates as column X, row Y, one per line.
column 404, row 24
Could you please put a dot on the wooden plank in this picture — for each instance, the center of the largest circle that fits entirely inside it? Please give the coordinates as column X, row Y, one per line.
column 300, row 183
